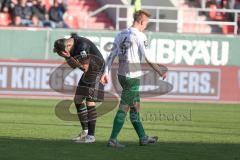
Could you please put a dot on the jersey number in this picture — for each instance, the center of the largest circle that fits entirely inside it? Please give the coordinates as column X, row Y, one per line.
column 124, row 46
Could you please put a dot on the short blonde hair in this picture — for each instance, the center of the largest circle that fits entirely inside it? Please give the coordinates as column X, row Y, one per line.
column 137, row 16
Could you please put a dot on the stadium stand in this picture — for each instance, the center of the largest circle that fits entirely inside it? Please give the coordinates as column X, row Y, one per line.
column 79, row 15
column 5, row 19
column 75, row 15
column 212, row 15
column 78, row 10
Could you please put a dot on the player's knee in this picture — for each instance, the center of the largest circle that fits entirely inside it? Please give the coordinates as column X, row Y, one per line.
column 90, row 103
column 92, row 113
column 135, row 107
column 120, row 116
column 124, row 108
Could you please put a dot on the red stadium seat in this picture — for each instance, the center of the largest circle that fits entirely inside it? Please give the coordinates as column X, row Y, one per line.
column 47, row 4
column 5, row 19
column 226, row 29
column 79, row 10
column 72, row 21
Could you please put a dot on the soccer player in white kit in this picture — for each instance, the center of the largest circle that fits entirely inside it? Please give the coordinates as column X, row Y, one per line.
column 130, row 46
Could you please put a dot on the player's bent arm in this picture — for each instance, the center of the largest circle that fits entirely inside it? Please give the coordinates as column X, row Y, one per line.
column 112, row 56
column 104, row 78
column 108, row 64
column 73, row 63
column 160, row 69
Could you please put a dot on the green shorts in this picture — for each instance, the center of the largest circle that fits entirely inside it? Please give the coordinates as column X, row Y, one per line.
column 130, row 92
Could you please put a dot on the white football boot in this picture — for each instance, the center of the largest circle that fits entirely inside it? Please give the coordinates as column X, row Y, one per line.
column 86, row 139
column 82, row 135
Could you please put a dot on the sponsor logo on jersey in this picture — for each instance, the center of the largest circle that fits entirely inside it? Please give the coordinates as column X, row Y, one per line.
column 83, row 54
column 146, row 44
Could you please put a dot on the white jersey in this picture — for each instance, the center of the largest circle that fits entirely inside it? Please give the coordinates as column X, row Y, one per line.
column 130, row 46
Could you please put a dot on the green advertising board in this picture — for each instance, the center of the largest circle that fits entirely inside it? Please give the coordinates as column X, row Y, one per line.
column 217, row 50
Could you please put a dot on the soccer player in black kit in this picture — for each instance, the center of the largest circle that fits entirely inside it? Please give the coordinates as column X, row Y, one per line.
column 79, row 52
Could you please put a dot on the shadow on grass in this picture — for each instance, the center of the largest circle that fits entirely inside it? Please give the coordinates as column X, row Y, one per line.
column 42, row 149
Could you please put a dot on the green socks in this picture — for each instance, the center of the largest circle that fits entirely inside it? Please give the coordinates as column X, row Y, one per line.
column 137, row 124
column 118, row 123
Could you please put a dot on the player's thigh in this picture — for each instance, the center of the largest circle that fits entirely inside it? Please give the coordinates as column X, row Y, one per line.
column 78, row 99
column 130, row 93
column 135, row 107
column 90, row 87
column 81, row 92
column 124, row 107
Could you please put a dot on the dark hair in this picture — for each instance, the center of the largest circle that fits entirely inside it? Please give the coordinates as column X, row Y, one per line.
column 137, row 16
column 59, row 45
column 74, row 34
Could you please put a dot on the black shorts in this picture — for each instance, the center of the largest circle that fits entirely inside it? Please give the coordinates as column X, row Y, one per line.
column 90, row 87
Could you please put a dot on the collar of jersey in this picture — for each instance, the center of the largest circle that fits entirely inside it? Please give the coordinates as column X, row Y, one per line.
column 134, row 29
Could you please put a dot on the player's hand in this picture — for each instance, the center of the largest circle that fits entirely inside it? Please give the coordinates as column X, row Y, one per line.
column 84, row 67
column 104, row 79
column 162, row 71
column 164, row 76
column 64, row 54
column 72, row 62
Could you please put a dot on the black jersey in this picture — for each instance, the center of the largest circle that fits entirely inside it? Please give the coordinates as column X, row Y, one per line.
column 85, row 50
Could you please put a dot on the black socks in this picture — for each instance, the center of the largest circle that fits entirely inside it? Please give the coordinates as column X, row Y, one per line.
column 92, row 118
column 82, row 115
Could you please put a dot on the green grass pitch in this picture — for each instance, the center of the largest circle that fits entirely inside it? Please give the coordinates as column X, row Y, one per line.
column 30, row 130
